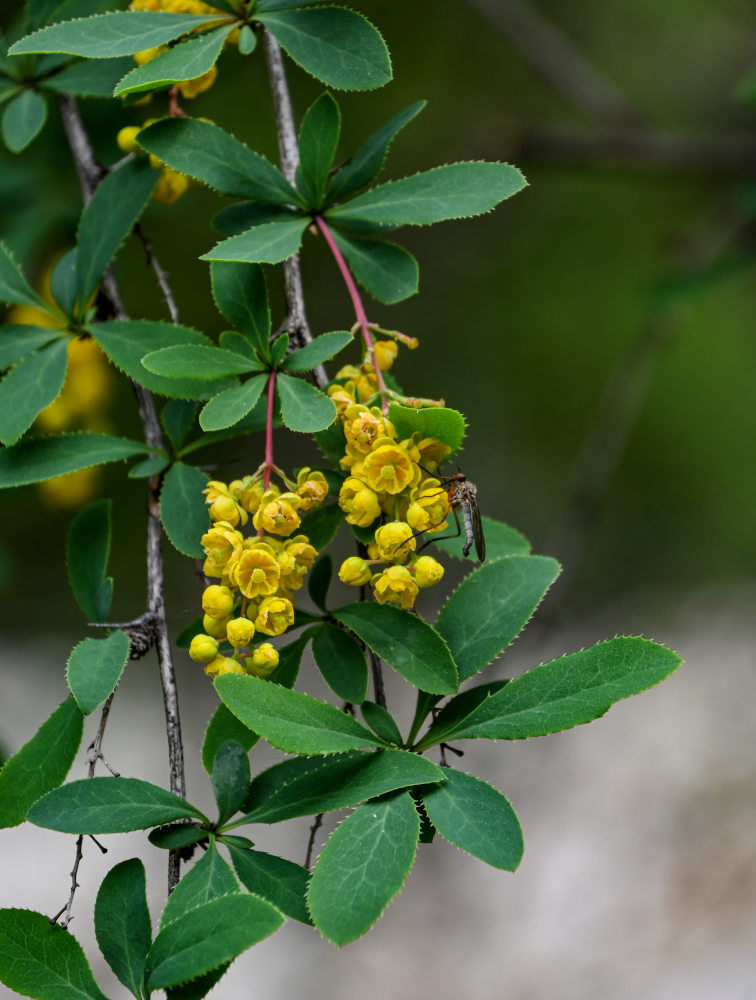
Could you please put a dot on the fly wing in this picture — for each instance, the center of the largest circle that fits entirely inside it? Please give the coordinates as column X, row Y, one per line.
column 477, row 530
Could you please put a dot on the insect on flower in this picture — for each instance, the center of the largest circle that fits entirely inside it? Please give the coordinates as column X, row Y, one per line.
column 463, row 496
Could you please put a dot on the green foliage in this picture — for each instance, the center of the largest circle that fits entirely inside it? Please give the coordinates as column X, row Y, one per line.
column 87, row 553
column 386, row 270
column 283, row 883
column 342, row 663
column 194, row 57
column 88, row 79
column 408, row 644
column 291, row 720
column 122, row 922
column 41, row 764
column 308, row 785
column 501, row 540
column 23, row 119
column 31, row 385
column 14, row 287
column 208, row 879
column 303, row 407
column 95, row 667
column 223, row 727
column 17, row 341
column 476, row 817
column 269, row 243
column 231, row 777
column 109, row 805
column 36, row 459
column 241, row 294
column 197, row 361
column 232, row 405
column 182, row 508
column 366, row 861
column 436, row 421
column 381, row 722
column 41, row 960
column 321, row 349
column 318, row 139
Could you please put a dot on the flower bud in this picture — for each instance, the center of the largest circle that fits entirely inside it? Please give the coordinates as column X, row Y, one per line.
column 223, row 665
column 239, row 631
column 262, row 662
column 276, row 614
column 395, row 586
column 215, row 627
column 224, row 508
column 203, row 648
column 395, row 541
column 355, row 572
column 217, row 601
column 385, row 353
column 428, row 571
column 127, row 139
column 170, row 187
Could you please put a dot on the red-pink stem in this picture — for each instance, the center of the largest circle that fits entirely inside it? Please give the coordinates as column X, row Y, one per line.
column 359, row 309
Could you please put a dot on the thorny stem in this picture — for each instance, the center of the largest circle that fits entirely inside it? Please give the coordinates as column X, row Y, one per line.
column 359, row 309
column 89, row 176
column 296, row 322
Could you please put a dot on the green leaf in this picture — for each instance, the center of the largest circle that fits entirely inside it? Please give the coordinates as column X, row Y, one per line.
column 209, row 879
column 122, row 922
column 381, row 722
column 183, row 510
column 321, row 349
column 281, row 882
column 241, row 295
column 318, row 139
column 231, row 779
column 231, row 405
column 87, row 551
column 197, row 361
column 224, row 726
column 111, row 214
column 41, row 764
column 149, row 467
column 408, row 644
column 230, row 340
column 305, row 786
column 105, row 36
column 247, row 41
column 109, row 805
column 176, row 835
column 303, row 407
column 36, row 459
column 291, row 720
column 236, row 219
column 567, row 692
column 41, row 960
column 431, row 421
column 177, row 418
column 364, row 862
column 341, row 662
column 95, row 667
column 454, row 191
column 95, row 78
column 476, row 817
column 360, row 169
column 192, row 58
column 63, row 283
column 217, row 158
column 267, row 244
column 31, row 385
column 490, row 608
column 127, row 341
column 207, row 937
column 319, row 580
column 289, row 660
column 279, row 349
column 321, row 525
column 14, row 287
column 386, row 270
column 23, row 119
column 501, row 540
column 18, row 340
column 337, row 46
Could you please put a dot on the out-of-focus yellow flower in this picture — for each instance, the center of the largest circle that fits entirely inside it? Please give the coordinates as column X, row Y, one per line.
column 342, row 395
column 428, row 572
column 262, row 662
column 71, row 490
column 170, row 187
column 279, row 514
column 255, row 571
column 395, row 541
column 276, row 614
column 203, row 648
column 198, row 85
column 248, row 492
column 126, row 139
column 395, row 586
column 147, row 55
column 389, row 469
column 385, row 353
column 88, row 387
column 432, row 452
column 355, row 572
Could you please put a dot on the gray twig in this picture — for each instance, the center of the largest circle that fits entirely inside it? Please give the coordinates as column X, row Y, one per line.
column 318, row 822
column 296, row 322
column 89, row 176
column 160, row 274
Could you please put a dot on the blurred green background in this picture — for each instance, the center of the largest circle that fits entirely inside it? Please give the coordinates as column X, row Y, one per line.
column 622, row 273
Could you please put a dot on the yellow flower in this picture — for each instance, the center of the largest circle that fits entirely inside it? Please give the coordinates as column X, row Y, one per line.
column 217, row 601
column 355, row 571
column 276, row 614
column 203, row 648
column 295, row 557
column 363, row 427
column 239, row 632
column 359, row 503
column 248, row 492
column 279, row 514
column 389, row 469
column 432, row 452
column 312, row 489
column 220, row 543
column 262, row 662
column 255, row 572
column 385, row 353
column 170, row 187
column 215, row 627
column 395, row 541
column 71, row 490
column 223, row 665
column 127, row 139
column 429, row 509
column 428, row 571
column 198, row 85
column 342, row 395
column 395, row 586
column 228, row 510
column 147, row 55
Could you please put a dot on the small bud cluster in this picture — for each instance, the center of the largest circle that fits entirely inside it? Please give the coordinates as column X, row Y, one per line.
column 258, row 574
column 393, row 480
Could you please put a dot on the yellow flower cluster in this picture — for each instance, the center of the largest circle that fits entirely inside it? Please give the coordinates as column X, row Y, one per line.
column 393, row 480
column 258, row 574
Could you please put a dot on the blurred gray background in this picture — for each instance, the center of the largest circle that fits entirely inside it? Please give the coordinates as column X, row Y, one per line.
column 597, row 333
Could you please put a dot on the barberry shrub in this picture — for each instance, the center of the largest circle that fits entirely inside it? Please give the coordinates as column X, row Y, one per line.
column 262, row 537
